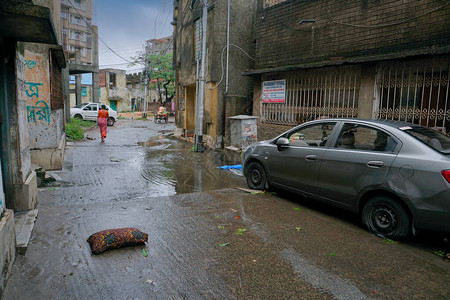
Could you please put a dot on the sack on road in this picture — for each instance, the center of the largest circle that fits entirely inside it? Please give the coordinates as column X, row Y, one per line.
column 116, row 238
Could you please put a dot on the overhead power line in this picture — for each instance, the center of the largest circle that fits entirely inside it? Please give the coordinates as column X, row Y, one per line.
column 93, row 31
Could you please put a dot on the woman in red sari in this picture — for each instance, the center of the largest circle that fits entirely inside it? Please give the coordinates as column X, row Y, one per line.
column 102, row 121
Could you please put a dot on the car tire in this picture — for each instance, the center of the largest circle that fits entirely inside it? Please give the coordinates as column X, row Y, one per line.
column 256, row 176
column 110, row 121
column 385, row 216
column 78, row 116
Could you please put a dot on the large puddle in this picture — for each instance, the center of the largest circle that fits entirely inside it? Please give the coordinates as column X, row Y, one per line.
column 172, row 167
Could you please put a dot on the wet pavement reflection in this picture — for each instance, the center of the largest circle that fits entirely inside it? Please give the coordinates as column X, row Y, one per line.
column 172, row 167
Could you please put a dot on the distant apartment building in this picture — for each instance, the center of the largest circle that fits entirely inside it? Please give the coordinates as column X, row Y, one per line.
column 76, row 35
column 161, row 46
column 80, row 43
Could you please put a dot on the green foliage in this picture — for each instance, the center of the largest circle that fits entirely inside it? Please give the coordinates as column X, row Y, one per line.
column 158, row 70
column 76, row 127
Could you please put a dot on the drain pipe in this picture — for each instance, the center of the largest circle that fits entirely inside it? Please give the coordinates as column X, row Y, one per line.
column 228, row 47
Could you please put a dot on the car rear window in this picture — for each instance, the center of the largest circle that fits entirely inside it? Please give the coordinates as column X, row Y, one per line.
column 434, row 139
column 80, row 105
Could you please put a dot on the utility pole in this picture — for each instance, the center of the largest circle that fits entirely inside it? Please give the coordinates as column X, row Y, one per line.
column 201, row 99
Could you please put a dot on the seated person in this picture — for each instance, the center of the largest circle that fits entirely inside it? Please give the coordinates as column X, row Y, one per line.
column 161, row 109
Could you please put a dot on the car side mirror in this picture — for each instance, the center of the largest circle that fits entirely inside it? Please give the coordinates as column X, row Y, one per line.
column 282, row 143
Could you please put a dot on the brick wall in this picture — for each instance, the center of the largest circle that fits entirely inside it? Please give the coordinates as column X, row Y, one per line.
column 282, row 41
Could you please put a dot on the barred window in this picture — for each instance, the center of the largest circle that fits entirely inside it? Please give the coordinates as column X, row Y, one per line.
column 314, row 94
column 415, row 91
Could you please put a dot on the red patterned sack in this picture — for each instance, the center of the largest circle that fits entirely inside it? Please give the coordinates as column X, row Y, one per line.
column 116, row 238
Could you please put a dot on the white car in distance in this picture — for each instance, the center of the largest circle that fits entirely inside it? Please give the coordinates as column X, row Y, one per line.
column 89, row 112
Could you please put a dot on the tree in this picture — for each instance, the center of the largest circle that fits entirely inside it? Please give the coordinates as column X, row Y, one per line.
column 158, row 72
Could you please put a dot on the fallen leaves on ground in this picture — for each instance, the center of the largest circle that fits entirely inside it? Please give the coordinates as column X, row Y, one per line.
column 144, row 252
column 240, row 231
column 298, row 209
column 298, row 228
column 224, row 244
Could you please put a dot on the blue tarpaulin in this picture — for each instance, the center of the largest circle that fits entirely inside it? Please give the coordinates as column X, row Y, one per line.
column 238, row 167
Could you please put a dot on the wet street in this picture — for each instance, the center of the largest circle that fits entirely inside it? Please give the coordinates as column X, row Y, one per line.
column 207, row 240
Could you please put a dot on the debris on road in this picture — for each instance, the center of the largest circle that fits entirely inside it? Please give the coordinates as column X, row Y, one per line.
column 144, row 252
column 298, row 209
column 116, row 238
column 240, row 231
column 298, row 228
column 223, row 245
column 253, row 192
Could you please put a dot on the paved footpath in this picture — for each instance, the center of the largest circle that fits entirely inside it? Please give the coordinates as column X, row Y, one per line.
column 207, row 240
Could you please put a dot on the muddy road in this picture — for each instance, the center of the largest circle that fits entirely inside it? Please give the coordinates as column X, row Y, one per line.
column 207, row 240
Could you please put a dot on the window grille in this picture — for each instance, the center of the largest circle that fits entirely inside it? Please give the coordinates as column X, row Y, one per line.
column 198, row 34
column 313, row 94
column 415, row 92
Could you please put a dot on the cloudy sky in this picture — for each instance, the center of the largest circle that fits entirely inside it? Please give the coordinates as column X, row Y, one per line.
column 126, row 25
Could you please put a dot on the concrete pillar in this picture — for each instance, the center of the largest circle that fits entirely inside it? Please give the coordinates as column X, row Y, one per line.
column 94, row 51
column 78, row 89
column 95, row 88
column 367, row 91
column 66, row 93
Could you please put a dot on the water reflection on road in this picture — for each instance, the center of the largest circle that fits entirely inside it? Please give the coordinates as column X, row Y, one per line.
column 171, row 167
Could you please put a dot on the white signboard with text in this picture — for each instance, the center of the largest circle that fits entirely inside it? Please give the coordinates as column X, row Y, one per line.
column 274, row 91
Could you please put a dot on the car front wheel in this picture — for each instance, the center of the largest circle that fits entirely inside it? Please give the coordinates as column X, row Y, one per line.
column 256, row 176
column 110, row 121
column 383, row 215
column 78, row 116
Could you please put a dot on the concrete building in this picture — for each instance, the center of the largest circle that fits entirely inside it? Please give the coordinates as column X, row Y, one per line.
column 86, row 94
column 366, row 59
column 224, row 97
column 31, row 108
column 160, row 46
column 113, row 89
column 80, row 42
column 136, row 90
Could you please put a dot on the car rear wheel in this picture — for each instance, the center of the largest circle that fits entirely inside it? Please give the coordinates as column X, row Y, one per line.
column 383, row 215
column 110, row 121
column 256, row 176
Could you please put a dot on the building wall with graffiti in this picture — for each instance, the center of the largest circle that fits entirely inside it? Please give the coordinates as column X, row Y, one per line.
column 45, row 123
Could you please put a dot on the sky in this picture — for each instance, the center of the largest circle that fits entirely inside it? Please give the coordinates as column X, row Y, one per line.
column 126, row 25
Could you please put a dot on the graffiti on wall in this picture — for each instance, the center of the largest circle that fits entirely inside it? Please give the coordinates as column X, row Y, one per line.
column 36, row 88
column 30, row 63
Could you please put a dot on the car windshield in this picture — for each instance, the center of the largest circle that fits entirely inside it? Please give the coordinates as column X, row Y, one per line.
column 434, row 139
column 80, row 105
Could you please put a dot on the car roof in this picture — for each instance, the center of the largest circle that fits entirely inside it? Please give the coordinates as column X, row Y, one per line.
column 389, row 123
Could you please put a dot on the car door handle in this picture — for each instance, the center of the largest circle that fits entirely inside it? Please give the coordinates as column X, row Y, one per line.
column 311, row 157
column 375, row 164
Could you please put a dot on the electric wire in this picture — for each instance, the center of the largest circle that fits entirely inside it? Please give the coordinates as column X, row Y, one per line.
column 221, row 63
column 89, row 26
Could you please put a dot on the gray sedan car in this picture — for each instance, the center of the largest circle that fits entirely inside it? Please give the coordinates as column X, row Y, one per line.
column 395, row 175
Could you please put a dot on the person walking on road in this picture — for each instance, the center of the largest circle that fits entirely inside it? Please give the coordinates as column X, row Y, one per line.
column 102, row 121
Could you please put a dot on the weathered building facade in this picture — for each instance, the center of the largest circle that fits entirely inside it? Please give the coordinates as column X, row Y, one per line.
column 221, row 100
column 30, row 110
column 136, row 89
column 113, row 89
column 366, row 59
column 80, row 43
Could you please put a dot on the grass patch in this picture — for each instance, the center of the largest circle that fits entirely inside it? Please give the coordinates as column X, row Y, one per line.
column 76, row 128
